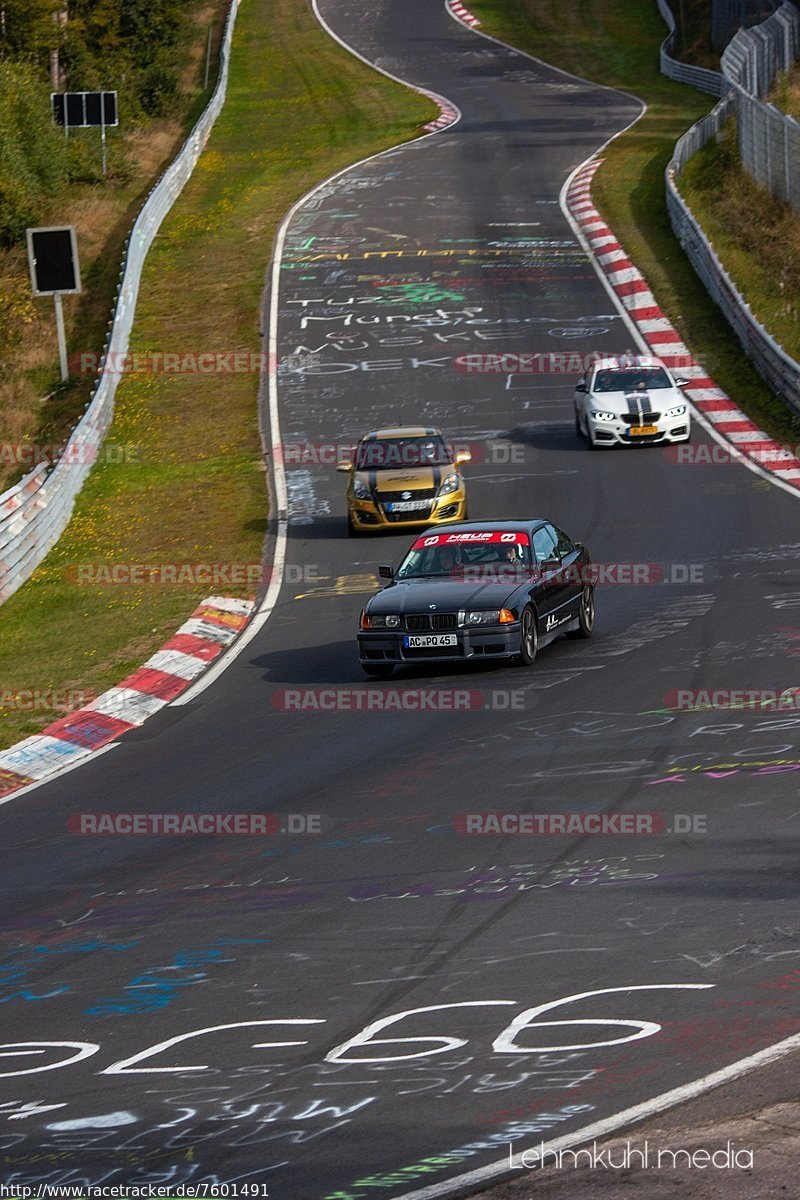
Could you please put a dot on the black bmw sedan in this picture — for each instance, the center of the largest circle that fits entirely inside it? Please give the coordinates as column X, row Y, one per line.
column 478, row 590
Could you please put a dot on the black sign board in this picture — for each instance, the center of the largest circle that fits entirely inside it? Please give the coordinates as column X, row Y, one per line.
column 78, row 110
column 53, row 258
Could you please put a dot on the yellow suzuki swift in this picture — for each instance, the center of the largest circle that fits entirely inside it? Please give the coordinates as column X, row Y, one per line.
column 404, row 478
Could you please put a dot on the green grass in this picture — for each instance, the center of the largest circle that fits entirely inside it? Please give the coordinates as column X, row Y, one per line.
column 616, row 42
column 299, row 108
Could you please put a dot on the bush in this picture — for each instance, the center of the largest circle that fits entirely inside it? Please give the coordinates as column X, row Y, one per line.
column 32, row 150
column 157, row 88
column 130, row 46
column 150, row 25
column 16, row 312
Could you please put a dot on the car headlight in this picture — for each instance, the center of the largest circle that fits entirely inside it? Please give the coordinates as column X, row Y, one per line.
column 451, row 484
column 677, row 411
column 490, row 616
column 379, row 621
column 604, row 416
column 360, row 489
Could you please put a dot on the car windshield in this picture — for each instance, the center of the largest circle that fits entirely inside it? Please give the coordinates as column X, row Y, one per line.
column 438, row 557
column 385, row 454
column 631, row 379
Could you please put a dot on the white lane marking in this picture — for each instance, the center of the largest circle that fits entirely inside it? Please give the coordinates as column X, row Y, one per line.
column 621, row 1120
column 267, row 606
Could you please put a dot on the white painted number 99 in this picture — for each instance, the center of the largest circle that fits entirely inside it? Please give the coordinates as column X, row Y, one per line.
column 505, row 1042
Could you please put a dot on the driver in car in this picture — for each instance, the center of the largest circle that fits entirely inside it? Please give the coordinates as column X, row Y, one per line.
column 449, row 560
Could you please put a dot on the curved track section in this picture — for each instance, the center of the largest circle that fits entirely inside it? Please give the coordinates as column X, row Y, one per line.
column 391, row 1001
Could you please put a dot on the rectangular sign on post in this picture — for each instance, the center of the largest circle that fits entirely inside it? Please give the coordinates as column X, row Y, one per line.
column 53, row 259
column 81, row 110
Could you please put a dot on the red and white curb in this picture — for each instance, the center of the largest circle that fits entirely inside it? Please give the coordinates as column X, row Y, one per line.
column 448, row 114
column 456, row 9
column 199, row 641
column 728, row 422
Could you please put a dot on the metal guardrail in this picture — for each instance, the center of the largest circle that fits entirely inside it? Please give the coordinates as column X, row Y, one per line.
column 35, row 512
column 699, row 77
column 748, row 61
column 754, row 57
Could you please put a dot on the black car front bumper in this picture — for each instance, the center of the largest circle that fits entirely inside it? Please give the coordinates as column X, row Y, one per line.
column 385, row 646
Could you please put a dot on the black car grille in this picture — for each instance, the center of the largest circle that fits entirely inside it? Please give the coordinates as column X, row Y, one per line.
column 432, row 622
column 397, row 497
column 416, row 514
column 647, row 418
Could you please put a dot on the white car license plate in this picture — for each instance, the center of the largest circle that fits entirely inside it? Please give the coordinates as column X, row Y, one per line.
column 408, row 505
column 430, row 641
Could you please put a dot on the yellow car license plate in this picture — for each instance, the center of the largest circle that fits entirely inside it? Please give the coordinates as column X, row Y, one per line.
column 639, row 430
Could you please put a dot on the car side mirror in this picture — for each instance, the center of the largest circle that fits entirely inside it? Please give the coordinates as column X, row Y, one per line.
column 463, row 456
column 682, row 382
column 580, row 387
column 344, row 466
column 385, row 571
column 550, row 564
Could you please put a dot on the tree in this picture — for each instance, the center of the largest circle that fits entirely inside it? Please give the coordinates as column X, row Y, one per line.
column 28, row 29
column 32, row 151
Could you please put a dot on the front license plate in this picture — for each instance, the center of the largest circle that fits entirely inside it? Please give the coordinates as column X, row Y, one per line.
column 408, row 505
column 430, row 641
column 640, row 430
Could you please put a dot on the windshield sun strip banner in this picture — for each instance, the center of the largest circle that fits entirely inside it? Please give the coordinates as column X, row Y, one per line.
column 472, row 537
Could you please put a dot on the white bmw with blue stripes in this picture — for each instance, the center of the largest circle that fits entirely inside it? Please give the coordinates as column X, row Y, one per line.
column 631, row 400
